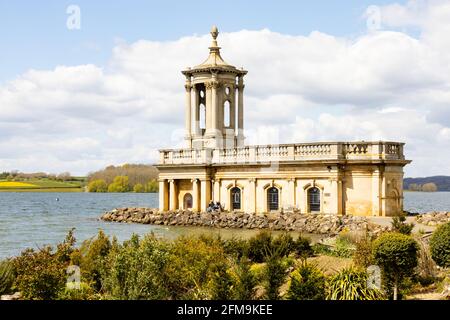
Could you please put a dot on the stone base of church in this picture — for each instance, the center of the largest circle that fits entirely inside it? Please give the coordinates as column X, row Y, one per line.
column 366, row 184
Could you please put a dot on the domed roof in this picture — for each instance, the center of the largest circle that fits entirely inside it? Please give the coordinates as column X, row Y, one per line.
column 214, row 60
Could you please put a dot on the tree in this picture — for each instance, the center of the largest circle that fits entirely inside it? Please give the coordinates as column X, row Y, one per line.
column 244, row 288
column 399, row 224
column 152, row 186
column 120, row 184
column 97, row 186
column 396, row 255
column 307, row 283
column 440, row 245
column 138, row 188
column 429, row 187
column 274, row 276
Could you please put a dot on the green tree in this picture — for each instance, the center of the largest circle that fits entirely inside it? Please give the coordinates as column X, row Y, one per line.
column 120, row 184
column 440, row 245
column 138, row 188
column 97, row 186
column 274, row 276
column 244, row 287
column 307, row 283
column 152, row 186
column 396, row 255
column 399, row 224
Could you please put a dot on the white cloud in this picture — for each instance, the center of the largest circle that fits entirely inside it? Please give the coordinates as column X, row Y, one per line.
column 382, row 85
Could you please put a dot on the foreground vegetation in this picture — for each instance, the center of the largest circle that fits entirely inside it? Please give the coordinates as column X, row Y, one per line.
column 263, row 267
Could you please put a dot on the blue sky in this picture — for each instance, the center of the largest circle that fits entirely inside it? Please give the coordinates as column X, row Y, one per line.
column 112, row 92
column 34, row 35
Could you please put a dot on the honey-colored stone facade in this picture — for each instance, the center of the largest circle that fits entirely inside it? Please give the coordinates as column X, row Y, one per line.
column 358, row 178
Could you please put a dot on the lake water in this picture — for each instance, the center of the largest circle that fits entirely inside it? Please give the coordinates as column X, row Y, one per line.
column 36, row 219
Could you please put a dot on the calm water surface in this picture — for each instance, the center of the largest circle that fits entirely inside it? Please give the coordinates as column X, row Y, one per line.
column 36, row 219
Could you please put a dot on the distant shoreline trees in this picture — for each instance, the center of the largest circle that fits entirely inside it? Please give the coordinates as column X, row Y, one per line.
column 136, row 178
column 426, row 187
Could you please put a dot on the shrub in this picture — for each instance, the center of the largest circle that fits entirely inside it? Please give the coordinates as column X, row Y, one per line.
column 259, row 246
column 307, row 283
column 235, row 247
column 136, row 269
column 97, row 186
column 351, row 284
column 396, row 254
column 302, row 248
column 399, row 224
column 245, row 280
column 6, row 276
column 152, row 186
column 344, row 248
column 41, row 275
column 440, row 245
column 362, row 256
column 284, row 244
column 274, row 277
column 221, row 283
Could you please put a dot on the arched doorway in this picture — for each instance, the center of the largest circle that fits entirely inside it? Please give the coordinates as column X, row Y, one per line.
column 272, row 199
column 236, row 198
column 187, row 201
column 314, row 199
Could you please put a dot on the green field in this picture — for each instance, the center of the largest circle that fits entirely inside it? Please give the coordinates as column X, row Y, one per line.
column 43, row 185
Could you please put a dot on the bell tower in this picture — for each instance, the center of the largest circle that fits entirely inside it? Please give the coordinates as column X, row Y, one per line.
column 214, row 102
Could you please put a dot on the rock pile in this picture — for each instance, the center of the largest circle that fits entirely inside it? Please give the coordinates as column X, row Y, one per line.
column 307, row 223
column 433, row 218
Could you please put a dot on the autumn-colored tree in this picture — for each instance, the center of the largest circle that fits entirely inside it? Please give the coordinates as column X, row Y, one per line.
column 120, row 184
column 429, row 187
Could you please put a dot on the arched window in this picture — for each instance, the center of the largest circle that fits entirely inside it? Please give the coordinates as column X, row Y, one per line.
column 226, row 114
column 187, row 201
column 314, row 199
column 272, row 199
column 202, row 116
column 236, row 198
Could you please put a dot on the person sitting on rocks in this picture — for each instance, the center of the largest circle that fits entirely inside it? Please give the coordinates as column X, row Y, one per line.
column 210, row 207
column 217, row 207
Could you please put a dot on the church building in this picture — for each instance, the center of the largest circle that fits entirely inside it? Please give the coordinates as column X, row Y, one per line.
column 358, row 178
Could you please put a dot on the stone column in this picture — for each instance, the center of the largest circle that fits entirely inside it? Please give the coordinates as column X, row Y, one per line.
column 173, row 195
column 162, row 195
column 251, row 198
column 205, row 194
column 196, row 111
column 209, row 107
column 240, row 131
column 217, row 191
column 195, row 196
column 292, row 193
column 188, row 119
column 214, row 106
column 233, row 109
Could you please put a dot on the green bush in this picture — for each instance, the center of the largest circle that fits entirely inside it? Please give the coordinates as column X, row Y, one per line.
column 307, row 283
column 274, row 277
column 399, row 225
column 136, row 269
column 41, row 275
column 302, row 248
column 221, row 284
column 344, row 248
column 152, row 186
column 396, row 255
column 244, row 280
column 362, row 257
column 260, row 246
column 6, row 277
column 351, row 284
column 235, row 247
column 440, row 245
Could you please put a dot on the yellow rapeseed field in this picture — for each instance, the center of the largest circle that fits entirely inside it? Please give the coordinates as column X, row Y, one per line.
column 14, row 184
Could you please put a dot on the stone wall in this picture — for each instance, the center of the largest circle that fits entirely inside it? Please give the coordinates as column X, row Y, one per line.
column 306, row 223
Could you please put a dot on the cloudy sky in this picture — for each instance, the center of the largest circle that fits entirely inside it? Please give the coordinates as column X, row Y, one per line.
column 111, row 92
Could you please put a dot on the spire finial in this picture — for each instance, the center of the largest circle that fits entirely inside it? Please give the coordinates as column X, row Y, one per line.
column 214, row 32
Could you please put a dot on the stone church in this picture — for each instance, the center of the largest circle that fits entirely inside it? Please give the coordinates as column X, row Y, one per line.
column 359, row 178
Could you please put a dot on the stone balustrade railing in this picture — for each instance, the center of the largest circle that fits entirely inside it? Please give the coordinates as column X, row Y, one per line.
column 287, row 152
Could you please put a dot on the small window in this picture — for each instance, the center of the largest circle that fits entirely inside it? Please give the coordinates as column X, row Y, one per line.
column 227, row 91
column 202, row 116
column 202, row 94
column 226, row 114
column 272, row 199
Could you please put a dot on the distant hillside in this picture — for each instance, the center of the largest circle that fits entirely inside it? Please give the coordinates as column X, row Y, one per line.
column 442, row 182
